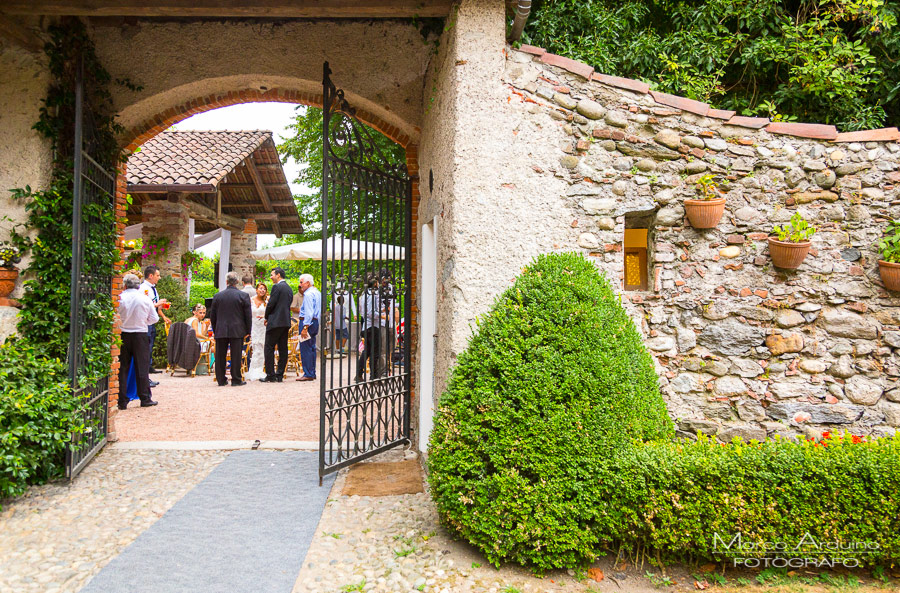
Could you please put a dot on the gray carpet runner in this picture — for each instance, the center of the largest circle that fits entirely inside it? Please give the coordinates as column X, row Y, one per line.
column 244, row 529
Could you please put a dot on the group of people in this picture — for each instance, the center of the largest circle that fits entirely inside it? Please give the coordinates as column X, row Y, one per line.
column 238, row 313
column 379, row 318
column 266, row 319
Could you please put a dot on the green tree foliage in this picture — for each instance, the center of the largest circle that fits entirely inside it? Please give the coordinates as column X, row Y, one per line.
column 306, row 148
column 553, row 382
column 832, row 62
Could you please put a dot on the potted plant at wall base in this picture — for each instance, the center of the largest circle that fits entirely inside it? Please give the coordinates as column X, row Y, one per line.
column 889, row 264
column 9, row 257
column 705, row 212
column 792, row 245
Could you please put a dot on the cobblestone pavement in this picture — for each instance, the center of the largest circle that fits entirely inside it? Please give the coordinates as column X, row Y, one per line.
column 394, row 544
column 57, row 536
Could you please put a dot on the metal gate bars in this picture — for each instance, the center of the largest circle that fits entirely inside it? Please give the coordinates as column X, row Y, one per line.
column 93, row 193
column 366, row 221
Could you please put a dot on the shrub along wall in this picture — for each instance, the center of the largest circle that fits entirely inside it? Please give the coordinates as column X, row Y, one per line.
column 552, row 446
column 742, row 348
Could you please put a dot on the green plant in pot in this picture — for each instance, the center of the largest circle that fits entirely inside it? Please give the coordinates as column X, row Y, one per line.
column 792, row 245
column 9, row 257
column 889, row 264
column 707, row 209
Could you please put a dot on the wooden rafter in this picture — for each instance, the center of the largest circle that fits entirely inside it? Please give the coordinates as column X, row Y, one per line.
column 201, row 212
column 263, row 192
column 12, row 30
column 275, row 204
column 233, row 8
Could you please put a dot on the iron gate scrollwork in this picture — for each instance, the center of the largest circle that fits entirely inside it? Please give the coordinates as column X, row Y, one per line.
column 366, row 291
column 93, row 191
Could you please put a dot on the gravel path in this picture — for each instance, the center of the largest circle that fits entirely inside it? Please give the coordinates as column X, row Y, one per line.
column 196, row 409
column 394, row 544
column 56, row 537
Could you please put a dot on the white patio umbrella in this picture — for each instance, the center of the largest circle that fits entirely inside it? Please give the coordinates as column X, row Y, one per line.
column 338, row 248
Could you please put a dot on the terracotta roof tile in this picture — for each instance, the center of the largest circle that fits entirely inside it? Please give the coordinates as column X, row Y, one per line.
column 573, row 66
column 882, row 135
column 682, row 103
column 192, row 157
column 748, row 122
column 622, row 83
column 535, row 51
column 721, row 113
column 817, row 131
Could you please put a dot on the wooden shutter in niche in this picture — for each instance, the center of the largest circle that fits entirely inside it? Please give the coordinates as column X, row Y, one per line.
column 635, row 268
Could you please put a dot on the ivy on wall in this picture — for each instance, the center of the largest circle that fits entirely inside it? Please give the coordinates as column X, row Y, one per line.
column 47, row 232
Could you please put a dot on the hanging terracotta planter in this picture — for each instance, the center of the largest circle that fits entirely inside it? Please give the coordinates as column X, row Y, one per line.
column 890, row 274
column 788, row 255
column 8, row 278
column 704, row 214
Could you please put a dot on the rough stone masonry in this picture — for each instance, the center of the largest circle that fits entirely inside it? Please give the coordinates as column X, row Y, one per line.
column 742, row 348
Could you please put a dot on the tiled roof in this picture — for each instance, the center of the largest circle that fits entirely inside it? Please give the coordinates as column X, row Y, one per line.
column 192, row 157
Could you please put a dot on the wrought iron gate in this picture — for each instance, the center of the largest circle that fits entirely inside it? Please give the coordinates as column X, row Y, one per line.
column 93, row 191
column 366, row 222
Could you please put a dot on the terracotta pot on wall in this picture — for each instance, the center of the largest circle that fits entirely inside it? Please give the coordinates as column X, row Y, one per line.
column 787, row 255
column 8, row 278
column 704, row 214
column 890, row 274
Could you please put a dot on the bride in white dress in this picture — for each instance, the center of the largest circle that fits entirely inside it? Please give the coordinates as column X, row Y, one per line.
column 258, row 333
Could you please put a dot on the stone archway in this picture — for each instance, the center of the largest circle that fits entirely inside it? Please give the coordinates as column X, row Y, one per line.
column 136, row 136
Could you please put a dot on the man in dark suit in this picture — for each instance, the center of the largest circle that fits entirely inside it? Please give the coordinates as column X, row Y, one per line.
column 278, row 325
column 230, row 317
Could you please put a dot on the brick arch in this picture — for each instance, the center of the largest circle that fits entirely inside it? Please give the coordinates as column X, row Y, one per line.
column 149, row 128
column 136, row 136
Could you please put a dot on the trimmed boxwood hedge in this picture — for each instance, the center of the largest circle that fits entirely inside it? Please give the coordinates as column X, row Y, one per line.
column 552, row 445
column 554, row 381
column 674, row 497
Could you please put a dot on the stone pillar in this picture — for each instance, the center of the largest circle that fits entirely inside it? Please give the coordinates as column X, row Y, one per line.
column 241, row 260
column 169, row 221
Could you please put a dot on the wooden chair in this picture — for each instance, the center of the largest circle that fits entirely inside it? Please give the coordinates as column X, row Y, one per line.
column 294, row 349
column 207, row 348
column 246, row 350
column 167, row 324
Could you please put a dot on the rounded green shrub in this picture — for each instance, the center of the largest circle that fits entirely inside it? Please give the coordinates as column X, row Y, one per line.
column 554, row 381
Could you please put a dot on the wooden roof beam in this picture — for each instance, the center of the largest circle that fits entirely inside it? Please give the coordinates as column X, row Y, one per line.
column 233, row 8
column 275, row 204
column 206, row 214
column 12, row 30
column 262, row 191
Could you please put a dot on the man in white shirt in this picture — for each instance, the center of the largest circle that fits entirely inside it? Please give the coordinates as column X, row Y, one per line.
column 148, row 287
column 137, row 313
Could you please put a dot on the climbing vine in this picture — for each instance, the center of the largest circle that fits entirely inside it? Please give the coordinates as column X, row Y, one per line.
column 47, row 232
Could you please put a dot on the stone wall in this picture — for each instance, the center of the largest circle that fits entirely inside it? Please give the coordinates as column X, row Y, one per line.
column 241, row 261
column 163, row 218
column 742, row 348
